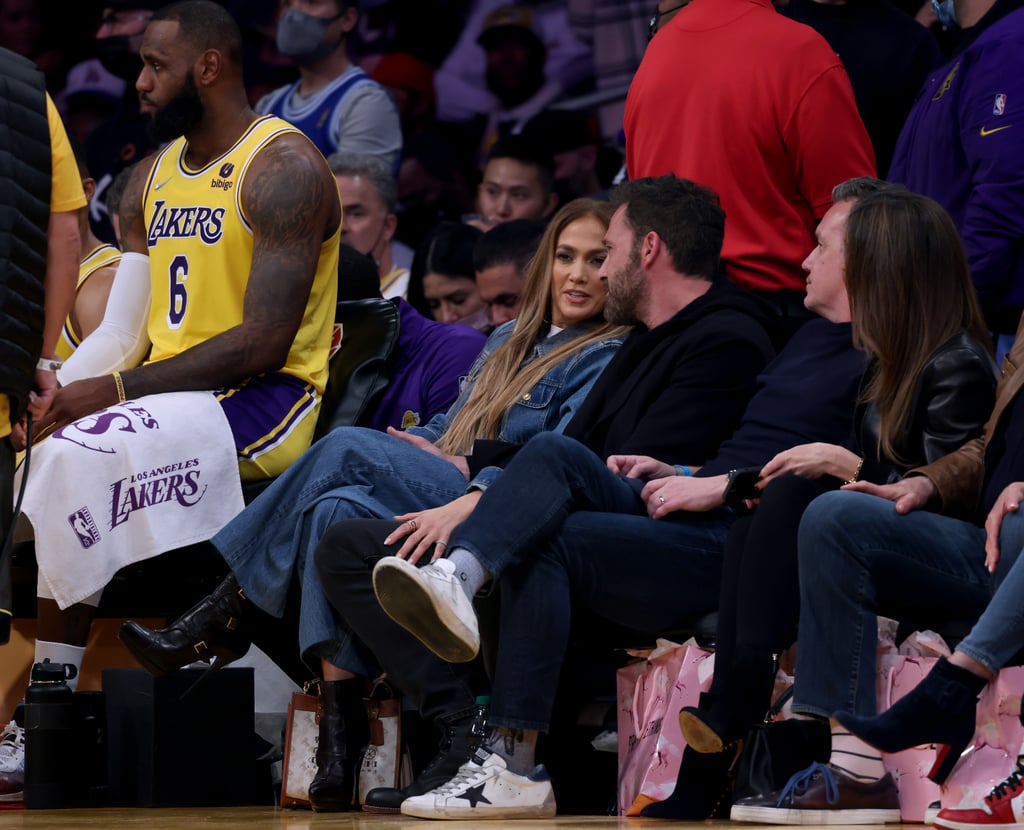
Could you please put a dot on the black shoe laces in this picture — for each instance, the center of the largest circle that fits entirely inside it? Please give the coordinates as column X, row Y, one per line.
column 1009, row 784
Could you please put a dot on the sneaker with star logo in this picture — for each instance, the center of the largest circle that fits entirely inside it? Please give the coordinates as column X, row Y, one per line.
column 484, row 788
column 1002, row 808
column 12, row 763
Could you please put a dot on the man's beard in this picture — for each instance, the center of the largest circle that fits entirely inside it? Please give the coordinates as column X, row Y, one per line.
column 178, row 116
column 627, row 290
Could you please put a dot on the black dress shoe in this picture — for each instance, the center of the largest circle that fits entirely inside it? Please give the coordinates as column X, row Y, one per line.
column 457, row 745
column 213, row 630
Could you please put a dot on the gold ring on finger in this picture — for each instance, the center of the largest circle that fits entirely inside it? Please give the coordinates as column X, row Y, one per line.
column 412, row 524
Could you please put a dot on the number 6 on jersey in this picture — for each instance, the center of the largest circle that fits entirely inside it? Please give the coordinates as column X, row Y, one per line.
column 179, row 296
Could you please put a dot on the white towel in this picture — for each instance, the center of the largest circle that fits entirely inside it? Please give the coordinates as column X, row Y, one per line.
column 128, row 483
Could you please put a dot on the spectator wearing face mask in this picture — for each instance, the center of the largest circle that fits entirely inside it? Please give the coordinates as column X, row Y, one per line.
column 337, row 105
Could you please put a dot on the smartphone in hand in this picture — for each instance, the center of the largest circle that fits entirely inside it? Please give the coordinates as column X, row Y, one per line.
column 742, row 485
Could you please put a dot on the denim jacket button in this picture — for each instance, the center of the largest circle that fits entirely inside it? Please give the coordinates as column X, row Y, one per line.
column 526, row 397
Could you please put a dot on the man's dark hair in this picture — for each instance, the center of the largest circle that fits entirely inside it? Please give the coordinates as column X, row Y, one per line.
column 206, row 25
column 687, row 217
column 512, row 242
column 526, row 152
column 860, row 187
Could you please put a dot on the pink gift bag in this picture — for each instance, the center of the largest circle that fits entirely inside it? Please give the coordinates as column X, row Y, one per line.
column 650, row 694
column 897, row 675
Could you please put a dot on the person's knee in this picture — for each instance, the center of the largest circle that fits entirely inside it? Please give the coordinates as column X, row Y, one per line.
column 347, row 543
column 829, row 525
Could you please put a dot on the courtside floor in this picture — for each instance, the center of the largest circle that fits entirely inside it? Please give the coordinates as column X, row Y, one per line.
column 269, row 818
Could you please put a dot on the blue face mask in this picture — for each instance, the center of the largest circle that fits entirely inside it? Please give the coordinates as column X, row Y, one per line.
column 300, row 36
column 945, row 12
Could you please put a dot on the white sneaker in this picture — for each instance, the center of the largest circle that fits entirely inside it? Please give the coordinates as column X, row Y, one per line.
column 484, row 789
column 430, row 604
column 12, row 763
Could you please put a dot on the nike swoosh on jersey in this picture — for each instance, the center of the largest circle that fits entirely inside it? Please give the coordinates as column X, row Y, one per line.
column 161, row 184
column 985, row 132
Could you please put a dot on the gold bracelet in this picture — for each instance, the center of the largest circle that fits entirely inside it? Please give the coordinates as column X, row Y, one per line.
column 120, row 387
column 856, row 473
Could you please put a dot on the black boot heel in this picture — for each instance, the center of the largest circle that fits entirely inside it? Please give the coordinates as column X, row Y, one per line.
column 213, row 630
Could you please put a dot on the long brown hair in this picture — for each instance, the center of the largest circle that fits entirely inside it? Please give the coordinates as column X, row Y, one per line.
column 504, row 379
column 910, row 292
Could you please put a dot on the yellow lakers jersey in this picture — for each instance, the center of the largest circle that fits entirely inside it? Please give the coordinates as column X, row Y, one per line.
column 102, row 256
column 200, row 252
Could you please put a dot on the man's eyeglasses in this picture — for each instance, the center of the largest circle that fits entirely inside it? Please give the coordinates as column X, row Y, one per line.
column 655, row 23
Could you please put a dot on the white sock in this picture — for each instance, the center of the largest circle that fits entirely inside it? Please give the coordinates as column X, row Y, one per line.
column 61, row 653
column 471, row 573
column 854, row 757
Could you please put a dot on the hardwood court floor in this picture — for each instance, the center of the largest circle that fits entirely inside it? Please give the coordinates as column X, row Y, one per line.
column 269, row 818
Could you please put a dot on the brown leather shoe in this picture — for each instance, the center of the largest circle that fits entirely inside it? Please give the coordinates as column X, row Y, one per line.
column 823, row 794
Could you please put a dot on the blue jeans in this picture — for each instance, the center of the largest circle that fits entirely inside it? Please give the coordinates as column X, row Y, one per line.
column 645, row 575
column 859, row 558
column 350, row 473
column 999, row 633
column 550, row 477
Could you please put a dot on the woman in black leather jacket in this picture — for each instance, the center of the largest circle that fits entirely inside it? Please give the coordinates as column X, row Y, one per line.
column 929, row 388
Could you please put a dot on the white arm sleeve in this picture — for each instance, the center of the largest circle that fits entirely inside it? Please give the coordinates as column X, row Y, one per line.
column 121, row 340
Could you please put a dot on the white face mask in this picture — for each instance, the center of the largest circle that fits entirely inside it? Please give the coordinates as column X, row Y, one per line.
column 300, row 36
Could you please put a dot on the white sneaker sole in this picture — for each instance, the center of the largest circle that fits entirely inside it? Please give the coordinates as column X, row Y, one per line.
column 402, row 595
column 12, row 797
column 486, row 813
column 966, row 825
column 781, row 815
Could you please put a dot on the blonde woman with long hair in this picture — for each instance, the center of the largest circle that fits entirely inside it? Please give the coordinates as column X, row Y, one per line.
column 532, row 376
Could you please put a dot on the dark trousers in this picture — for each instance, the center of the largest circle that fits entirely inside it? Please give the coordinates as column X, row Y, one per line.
column 344, row 560
column 759, row 603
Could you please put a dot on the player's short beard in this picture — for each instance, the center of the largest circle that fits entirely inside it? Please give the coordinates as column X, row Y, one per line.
column 178, row 116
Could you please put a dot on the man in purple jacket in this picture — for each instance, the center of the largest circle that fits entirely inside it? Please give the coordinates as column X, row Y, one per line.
column 961, row 146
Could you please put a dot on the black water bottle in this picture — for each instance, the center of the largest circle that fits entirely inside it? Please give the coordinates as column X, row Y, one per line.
column 49, row 736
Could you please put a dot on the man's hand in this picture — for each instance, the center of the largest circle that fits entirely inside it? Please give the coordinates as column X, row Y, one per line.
column 911, row 493
column 1008, row 502
column 639, row 466
column 697, row 495
column 76, row 400
column 45, row 388
column 425, row 445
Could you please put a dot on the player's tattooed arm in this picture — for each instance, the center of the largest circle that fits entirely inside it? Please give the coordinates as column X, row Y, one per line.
column 131, row 212
column 291, row 202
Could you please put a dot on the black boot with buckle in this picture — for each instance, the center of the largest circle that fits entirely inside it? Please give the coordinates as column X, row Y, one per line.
column 214, row 630
column 344, row 733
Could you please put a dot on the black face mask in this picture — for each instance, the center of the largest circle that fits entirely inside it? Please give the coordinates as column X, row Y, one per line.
column 179, row 115
column 117, row 57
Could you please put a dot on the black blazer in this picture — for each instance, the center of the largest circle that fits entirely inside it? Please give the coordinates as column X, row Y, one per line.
column 674, row 392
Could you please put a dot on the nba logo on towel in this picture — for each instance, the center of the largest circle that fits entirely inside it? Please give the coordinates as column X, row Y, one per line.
column 999, row 107
column 85, row 528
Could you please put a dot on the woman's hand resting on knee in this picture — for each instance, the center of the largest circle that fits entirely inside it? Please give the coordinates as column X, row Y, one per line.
column 426, row 529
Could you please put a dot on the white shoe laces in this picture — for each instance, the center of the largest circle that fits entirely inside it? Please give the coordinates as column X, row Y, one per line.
column 469, row 773
column 12, row 746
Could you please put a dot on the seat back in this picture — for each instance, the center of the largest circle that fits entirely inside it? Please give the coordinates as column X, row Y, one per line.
column 358, row 371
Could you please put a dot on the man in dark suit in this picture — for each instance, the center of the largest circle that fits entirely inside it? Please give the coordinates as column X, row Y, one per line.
column 675, row 390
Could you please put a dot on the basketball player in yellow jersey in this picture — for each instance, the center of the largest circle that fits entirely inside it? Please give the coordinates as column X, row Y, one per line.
column 237, row 221
column 233, row 232
column 95, row 274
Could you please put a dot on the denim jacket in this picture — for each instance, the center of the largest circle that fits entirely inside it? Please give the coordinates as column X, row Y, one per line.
column 549, row 405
